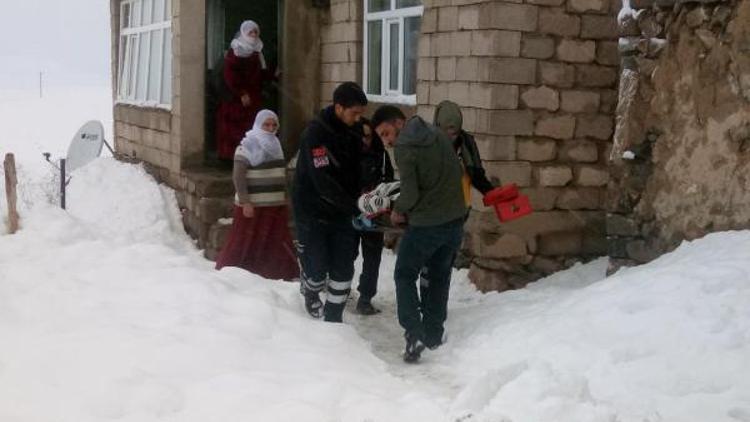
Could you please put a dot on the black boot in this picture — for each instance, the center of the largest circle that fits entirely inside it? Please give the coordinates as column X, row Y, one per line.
column 313, row 305
column 364, row 307
column 433, row 342
column 334, row 312
column 414, row 348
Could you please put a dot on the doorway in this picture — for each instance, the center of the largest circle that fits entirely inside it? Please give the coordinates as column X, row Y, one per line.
column 223, row 20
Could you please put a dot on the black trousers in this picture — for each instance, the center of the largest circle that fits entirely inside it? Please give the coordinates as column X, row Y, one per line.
column 372, row 252
column 327, row 251
column 426, row 253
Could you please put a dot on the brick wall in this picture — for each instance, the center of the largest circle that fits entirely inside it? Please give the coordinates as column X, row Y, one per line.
column 341, row 46
column 536, row 81
column 145, row 134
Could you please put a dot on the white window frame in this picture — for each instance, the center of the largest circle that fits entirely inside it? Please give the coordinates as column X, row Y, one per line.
column 387, row 18
column 130, row 74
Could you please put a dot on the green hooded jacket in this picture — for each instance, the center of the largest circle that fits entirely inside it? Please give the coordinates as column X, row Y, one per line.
column 448, row 115
column 431, row 192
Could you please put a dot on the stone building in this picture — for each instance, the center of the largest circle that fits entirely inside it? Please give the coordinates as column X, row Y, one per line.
column 537, row 80
column 681, row 155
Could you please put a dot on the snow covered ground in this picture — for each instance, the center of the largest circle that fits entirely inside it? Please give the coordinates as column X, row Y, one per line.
column 108, row 312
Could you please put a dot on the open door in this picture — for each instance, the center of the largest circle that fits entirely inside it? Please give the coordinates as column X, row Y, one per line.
column 223, row 20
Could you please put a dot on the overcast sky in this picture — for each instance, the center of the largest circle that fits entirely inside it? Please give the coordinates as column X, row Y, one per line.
column 66, row 39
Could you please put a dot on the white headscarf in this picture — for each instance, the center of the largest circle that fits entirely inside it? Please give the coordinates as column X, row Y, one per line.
column 259, row 146
column 245, row 45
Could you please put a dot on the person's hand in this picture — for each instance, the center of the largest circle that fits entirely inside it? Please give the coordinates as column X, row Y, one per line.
column 248, row 210
column 397, row 219
column 246, row 101
column 277, row 74
column 362, row 223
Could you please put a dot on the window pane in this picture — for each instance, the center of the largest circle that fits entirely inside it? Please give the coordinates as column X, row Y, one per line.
column 148, row 12
column 158, row 11
column 411, row 44
column 407, row 3
column 125, row 16
column 374, row 56
column 143, row 56
column 393, row 54
column 378, row 5
column 135, row 14
column 154, row 66
column 166, row 78
column 132, row 65
column 122, row 77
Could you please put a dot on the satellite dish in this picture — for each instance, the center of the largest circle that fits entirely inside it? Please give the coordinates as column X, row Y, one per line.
column 86, row 145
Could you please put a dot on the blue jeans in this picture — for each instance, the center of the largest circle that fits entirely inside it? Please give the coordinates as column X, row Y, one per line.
column 429, row 251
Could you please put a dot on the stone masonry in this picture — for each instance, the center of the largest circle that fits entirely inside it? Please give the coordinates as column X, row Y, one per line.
column 681, row 148
column 536, row 81
column 341, row 46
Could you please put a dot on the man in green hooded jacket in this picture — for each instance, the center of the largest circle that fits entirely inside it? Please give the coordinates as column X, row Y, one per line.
column 432, row 204
column 449, row 119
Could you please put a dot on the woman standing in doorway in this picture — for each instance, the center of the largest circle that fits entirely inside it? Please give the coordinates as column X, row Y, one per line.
column 260, row 241
column 244, row 72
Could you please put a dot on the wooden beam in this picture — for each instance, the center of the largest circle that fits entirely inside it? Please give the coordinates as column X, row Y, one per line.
column 10, row 192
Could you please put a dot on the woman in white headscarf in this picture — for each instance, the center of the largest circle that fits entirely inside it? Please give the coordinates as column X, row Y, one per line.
column 260, row 241
column 244, row 72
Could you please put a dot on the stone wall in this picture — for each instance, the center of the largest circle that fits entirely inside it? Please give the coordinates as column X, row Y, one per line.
column 536, row 80
column 145, row 135
column 207, row 200
column 681, row 153
column 341, row 46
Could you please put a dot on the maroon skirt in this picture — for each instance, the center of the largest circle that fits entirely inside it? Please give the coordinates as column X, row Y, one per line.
column 261, row 245
column 233, row 120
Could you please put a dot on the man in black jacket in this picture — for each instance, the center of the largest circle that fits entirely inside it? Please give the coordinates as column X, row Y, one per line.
column 376, row 168
column 325, row 190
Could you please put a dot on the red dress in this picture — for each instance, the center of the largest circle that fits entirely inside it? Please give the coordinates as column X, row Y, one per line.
column 242, row 75
column 261, row 245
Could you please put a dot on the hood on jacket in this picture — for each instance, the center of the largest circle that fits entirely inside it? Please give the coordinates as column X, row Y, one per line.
column 328, row 120
column 417, row 133
column 448, row 114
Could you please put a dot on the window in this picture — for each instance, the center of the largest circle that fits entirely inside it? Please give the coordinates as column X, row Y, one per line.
column 391, row 39
column 145, row 56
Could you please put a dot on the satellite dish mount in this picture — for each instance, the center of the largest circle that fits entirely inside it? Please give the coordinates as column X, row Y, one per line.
column 85, row 147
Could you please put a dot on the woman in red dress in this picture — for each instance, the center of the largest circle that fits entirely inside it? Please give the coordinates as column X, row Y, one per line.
column 244, row 72
column 260, row 241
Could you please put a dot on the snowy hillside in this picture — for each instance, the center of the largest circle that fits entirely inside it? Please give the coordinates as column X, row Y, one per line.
column 108, row 312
